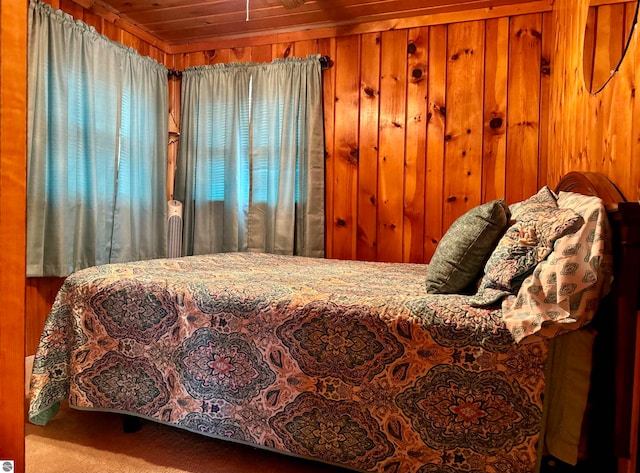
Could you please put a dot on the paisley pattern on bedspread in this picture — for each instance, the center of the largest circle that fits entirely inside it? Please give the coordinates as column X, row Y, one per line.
column 143, row 313
column 124, row 383
column 354, row 344
column 215, row 365
column 346, row 362
column 479, row 404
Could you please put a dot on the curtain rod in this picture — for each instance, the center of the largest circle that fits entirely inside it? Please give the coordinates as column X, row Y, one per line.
column 325, row 63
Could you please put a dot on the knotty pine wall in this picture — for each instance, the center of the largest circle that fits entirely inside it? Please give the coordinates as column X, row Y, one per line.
column 596, row 133
column 419, row 123
column 592, row 132
column 424, row 122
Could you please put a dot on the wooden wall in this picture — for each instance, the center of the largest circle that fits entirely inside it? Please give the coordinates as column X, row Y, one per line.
column 592, row 132
column 595, row 132
column 421, row 125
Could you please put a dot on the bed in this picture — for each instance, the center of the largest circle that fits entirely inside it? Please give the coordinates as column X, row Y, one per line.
column 370, row 366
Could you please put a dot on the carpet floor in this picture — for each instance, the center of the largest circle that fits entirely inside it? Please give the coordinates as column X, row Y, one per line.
column 94, row 442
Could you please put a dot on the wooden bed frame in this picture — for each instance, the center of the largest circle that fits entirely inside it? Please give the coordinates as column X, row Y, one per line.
column 612, row 418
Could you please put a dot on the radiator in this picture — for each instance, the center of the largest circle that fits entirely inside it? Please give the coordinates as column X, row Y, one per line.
column 174, row 229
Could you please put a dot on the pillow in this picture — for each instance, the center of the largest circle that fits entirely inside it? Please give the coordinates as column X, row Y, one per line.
column 545, row 198
column 464, row 248
column 564, row 290
column 527, row 242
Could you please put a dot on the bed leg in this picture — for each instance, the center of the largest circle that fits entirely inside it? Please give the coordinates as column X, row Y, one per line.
column 130, row 424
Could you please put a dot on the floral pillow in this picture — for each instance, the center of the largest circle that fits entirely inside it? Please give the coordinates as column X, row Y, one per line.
column 545, row 198
column 539, row 223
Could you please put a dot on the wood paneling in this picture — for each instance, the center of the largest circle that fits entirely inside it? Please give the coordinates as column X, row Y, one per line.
column 131, row 37
column 523, row 113
column 422, row 124
column 328, row 47
column 391, row 139
column 464, row 119
column 345, row 162
column 40, row 294
column 545, row 92
column 431, row 122
column 415, row 145
column 367, row 243
column 585, row 131
column 408, row 119
column 494, row 153
column 436, row 119
column 13, row 151
column 598, row 132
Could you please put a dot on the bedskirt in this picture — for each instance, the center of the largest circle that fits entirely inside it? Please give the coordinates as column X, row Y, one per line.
column 346, row 362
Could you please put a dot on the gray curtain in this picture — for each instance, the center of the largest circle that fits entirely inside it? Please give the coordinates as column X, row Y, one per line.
column 251, row 159
column 97, row 149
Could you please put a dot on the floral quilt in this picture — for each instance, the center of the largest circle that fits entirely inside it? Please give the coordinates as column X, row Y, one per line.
column 345, row 362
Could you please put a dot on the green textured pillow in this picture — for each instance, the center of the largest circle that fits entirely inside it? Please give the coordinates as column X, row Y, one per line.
column 464, row 249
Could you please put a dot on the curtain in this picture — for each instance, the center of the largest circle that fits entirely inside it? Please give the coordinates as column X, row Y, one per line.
column 140, row 214
column 251, row 158
column 97, row 150
column 213, row 159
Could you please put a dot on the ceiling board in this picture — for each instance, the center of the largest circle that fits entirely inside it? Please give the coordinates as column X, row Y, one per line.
column 182, row 22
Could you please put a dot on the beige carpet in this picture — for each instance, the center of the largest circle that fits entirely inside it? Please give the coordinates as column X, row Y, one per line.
column 94, row 442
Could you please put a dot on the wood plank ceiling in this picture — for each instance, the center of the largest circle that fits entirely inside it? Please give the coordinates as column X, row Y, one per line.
column 183, row 22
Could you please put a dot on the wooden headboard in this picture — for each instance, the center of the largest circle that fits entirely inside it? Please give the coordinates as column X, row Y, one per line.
column 591, row 183
column 617, row 320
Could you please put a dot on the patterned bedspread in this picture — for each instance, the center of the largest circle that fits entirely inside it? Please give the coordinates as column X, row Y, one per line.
column 346, row 362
